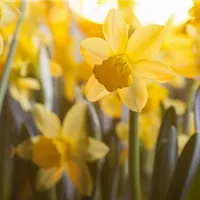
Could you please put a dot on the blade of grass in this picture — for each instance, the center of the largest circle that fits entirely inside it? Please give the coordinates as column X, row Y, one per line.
column 11, row 53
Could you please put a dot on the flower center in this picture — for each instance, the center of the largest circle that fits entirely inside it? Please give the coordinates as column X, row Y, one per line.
column 114, row 73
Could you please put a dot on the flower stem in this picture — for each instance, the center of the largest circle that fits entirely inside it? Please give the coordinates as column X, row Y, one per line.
column 134, row 158
column 191, row 88
column 11, row 53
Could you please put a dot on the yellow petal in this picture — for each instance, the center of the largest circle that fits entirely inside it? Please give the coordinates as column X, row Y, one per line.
column 184, row 63
column 146, row 42
column 122, row 131
column 56, row 69
column 135, row 96
column 95, row 50
column 179, row 105
column 96, row 150
column 29, row 83
column 95, row 91
column 46, row 121
column 116, row 31
column 74, row 125
column 25, row 150
column 46, row 153
column 8, row 14
column 70, row 83
column 80, row 176
column 14, row 92
column 24, row 100
column 45, row 179
column 153, row 70
column 111, row 105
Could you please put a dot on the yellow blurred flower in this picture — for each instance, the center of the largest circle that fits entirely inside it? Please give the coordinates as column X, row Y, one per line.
column 64, row 62
column 8, row 15
column 157, row 94
column 195, row 11
column 177, row 104
column 181, row 50
column 21, row 85
column 63, row 149
column 121, row 64
column 111, row 105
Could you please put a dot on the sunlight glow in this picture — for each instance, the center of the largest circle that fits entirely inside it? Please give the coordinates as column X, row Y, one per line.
column 158, row 11
column 92, row 9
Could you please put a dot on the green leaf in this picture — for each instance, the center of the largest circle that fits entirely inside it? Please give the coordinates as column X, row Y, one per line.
column 169, row 119
column 194, row 191
column 185, row 170
column 164, row 165
column 197, row 110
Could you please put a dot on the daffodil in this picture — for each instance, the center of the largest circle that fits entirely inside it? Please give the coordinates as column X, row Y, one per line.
column 21, row 85
column 8, row 14
column 63, row 149
column 195, row 11
column 121, row 64
column 181, row 51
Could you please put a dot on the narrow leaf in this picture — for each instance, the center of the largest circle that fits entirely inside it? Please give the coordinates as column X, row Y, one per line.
column 185, row 170
column 164, row 166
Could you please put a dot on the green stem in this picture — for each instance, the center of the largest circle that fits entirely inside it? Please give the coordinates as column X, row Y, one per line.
column 123, row 172
column 52, row 193
column 11, row 53
column 134, row 157
column 191, row 88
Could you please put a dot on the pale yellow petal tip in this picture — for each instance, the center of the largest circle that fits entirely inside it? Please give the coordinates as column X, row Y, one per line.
column 25, row 150
column 9, row 15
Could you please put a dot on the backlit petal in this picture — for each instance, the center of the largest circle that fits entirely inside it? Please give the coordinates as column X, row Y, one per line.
column 47, row 122
column 116, row 31
column 8, row 14
column 95, row 50
column 146, row 42
column 154, row 70
column 74, row 125
column 96, row 150
column 135, row 96
column 112, row 105
column 95, row 91
column 79, row 174
column 46, row 179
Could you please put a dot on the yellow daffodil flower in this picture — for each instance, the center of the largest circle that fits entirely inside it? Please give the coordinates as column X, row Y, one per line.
column 63, row 149
column 21, row 85
column 181, row 49
column 121, row 64
column 195, row 11
column 8, row 14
